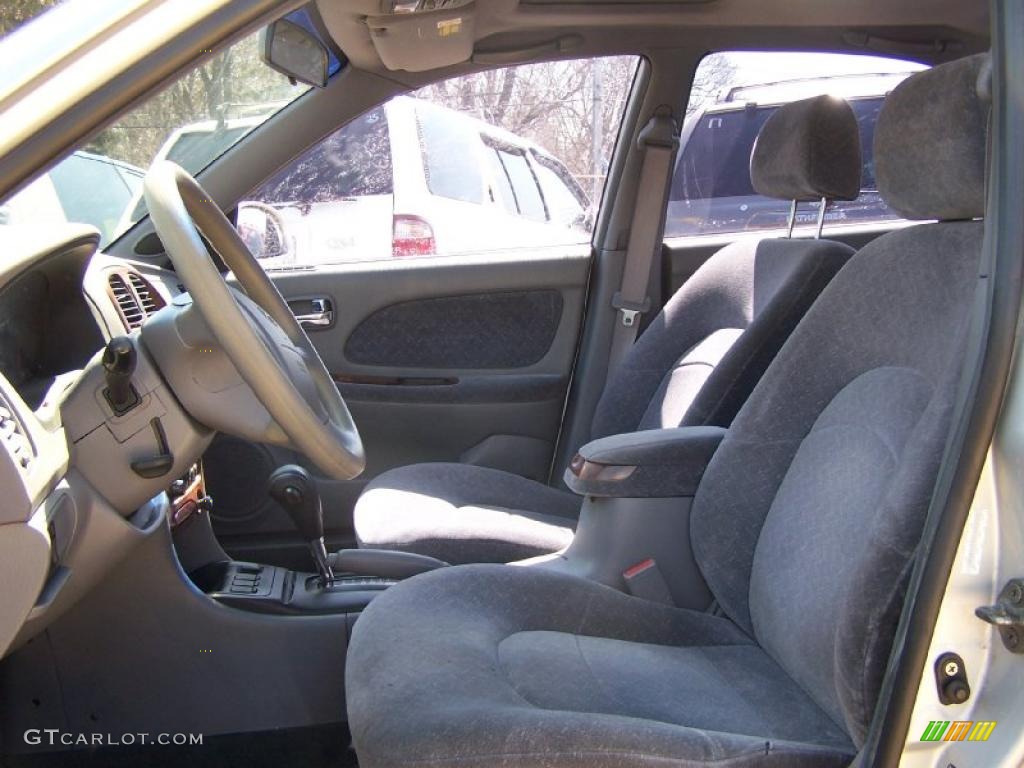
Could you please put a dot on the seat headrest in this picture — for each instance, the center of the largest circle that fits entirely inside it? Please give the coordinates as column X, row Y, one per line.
column 930, row 142
column 807, row 150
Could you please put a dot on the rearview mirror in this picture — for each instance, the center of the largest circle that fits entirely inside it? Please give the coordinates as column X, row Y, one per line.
column 294, row 52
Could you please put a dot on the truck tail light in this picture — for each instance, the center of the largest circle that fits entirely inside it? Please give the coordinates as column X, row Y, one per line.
column 412, row 236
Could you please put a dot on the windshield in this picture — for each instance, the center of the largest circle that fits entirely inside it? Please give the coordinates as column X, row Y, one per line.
column 192, row 122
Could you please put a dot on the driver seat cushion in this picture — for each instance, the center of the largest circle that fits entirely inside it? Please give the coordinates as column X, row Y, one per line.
column 462, row 513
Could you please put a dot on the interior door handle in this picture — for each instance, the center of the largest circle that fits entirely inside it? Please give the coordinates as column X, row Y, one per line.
column 322, row 315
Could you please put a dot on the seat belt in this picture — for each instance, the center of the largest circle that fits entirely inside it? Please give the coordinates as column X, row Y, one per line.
column 659, row 141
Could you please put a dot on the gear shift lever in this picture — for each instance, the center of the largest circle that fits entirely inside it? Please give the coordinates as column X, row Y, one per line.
column 292, row 487
column 119, row 361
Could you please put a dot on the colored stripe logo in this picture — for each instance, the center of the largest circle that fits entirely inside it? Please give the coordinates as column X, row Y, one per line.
column 958, row 730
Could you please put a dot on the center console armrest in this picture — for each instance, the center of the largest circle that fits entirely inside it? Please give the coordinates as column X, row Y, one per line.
column 655, row 463
column 383, row 563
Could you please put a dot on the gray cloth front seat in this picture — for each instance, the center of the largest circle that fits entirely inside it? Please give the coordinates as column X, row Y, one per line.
column 805, row 527
column 694, row 365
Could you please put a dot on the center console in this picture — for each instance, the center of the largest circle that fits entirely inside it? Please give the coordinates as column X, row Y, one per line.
column 345, row 581
column 269, row 589
column 634, row 528
column 633, row 534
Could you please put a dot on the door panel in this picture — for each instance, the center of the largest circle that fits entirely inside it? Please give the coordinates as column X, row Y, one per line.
column 461, row 359
column 509, row 329
column 431, row 300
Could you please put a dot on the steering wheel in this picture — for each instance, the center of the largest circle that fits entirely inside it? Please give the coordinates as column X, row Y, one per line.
column 256, row 330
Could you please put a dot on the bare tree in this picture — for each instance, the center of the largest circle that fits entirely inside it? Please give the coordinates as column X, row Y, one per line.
column 231, row 83
column 713, row 77
column 551, row 104
column 572, row 108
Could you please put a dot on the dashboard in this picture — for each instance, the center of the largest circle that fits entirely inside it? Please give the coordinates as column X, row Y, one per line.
column 62, row 302
column 46, row 327
column 72, row 507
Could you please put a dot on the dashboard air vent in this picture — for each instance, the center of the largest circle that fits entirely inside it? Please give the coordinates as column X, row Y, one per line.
column 148, row 298
column 135, row 298
column 14, row 439
column 127, row 304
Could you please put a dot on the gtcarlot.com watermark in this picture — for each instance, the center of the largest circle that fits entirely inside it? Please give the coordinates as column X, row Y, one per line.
column 54, row 737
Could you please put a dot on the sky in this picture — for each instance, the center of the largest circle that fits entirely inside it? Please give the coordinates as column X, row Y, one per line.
column 803, row 73
column 763, row 67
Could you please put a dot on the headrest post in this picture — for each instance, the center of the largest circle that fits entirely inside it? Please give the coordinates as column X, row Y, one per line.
column 792, row 219
column 821, row 218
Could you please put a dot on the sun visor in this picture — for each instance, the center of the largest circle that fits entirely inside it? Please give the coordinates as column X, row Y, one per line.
column 418, row 40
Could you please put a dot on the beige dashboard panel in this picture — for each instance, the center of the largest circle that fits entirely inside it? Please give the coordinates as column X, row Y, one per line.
column 24, row 564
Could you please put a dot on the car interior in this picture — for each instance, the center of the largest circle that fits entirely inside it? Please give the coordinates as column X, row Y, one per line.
column 635, row 501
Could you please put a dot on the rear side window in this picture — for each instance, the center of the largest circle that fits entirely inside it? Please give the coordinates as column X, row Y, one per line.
column 501, row 185
column 733, row 96
column 715, row 161
column 524, row 184
column 566, row 202
column 450, row 156
column 514, row 174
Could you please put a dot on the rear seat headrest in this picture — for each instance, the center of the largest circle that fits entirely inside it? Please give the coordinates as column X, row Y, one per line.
column 930, row 142
column 808, row 150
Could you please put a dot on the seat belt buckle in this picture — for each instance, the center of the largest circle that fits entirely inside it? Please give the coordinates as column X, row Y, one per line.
column 630, row 310
column 645, row 581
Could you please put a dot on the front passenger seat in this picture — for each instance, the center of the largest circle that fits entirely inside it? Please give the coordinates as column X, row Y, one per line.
column 695, row 365
column 806, row 526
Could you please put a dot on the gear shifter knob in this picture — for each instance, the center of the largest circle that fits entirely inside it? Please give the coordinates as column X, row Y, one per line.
column 119, row 361
column 292, row 487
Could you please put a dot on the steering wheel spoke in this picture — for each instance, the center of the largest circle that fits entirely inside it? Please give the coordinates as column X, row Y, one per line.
column 254, row 327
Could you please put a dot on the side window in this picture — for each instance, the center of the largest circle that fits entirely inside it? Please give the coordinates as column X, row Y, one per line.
column 512, row 159
column 451, row 160
column 732, row 97
column 524, row 184
column 515, row 177
column 501, row 191
column 566, row 201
